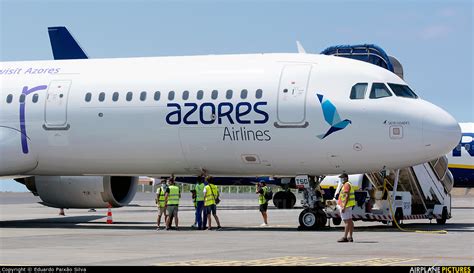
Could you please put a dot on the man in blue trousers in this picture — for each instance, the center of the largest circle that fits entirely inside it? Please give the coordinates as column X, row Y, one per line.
column 199, row 188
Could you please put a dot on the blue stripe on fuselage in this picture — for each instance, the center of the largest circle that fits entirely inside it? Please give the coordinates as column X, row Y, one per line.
column 463, row 177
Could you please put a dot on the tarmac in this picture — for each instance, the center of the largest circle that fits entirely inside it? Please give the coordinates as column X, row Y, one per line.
column 31, row 234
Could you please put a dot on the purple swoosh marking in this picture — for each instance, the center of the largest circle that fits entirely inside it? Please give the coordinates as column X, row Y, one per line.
column 26, row 91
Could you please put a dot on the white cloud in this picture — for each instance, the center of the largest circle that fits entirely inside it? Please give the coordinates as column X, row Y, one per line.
column 448, row 12
column 435, row 32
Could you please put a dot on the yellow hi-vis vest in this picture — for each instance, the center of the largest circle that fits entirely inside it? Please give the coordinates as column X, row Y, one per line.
column 342, row 197
column 160, row 192
column 199, row 191
column 211, row 194
column 261, row 197
column 173, row 196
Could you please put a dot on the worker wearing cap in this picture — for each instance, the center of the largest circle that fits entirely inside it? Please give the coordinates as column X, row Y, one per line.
column 345, row 203
column 172, row 197
column 160, row 202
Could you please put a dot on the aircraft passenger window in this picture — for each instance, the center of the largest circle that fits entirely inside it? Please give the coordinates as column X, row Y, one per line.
column 22, row 98
column 129, row 96
column 143, row 96
column 101, row 96
column 9, row 98
column 115, row 96
column 243, row 94
column 157, row 95
column 402, row 91
column 214, row 94
column 171, row 95
column 35, row 98
column 88, row 97
column 379, row 90
column 467, row 147
column 358, row 91
column 228, row 95
column 458, row 148
column 258, row 94
column 200, row 95
column 185, row 95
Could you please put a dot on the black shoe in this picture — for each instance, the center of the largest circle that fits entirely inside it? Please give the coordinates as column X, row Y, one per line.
column 343, row 240
column 219, row 228
column 350, row 239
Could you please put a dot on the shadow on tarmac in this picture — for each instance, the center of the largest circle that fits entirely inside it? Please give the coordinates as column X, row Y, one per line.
column 86, row 222
column 191, row 208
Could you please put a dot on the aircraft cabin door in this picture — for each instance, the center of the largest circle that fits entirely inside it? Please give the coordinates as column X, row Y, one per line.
column 55, row 114
column 291, row 106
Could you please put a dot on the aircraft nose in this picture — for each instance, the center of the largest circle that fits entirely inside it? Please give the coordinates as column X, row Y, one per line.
column 441, row 132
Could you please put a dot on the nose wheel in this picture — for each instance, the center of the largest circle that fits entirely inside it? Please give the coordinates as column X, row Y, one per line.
column 312, row 219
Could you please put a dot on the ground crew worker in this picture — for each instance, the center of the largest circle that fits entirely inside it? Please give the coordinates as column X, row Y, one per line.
column 262, row 201
column 204, row 209
column 211, row 194
column 172, row 197
column 193, row 196
column 345, row 203
column 160, row 203
column 199, row 199
column 319, row 192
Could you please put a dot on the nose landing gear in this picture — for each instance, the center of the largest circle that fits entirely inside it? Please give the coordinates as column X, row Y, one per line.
column 313, row 216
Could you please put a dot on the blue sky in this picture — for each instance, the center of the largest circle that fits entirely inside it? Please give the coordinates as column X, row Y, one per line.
column 432, row 39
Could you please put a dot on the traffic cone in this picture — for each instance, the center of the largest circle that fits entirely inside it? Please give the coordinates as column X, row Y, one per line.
column 109, row 215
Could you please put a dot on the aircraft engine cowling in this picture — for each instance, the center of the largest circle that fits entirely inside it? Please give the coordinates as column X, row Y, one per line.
column 82, row 191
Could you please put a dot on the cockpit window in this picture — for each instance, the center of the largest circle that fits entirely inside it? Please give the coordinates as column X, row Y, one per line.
column 379, row 90
column 402, row 91
column 358, row 91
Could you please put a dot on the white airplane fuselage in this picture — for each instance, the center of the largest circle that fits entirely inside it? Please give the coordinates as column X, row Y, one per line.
column 273, row 131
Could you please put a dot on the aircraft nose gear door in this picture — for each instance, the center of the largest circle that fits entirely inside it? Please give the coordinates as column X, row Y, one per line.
column 291, row 109
column 55, row 114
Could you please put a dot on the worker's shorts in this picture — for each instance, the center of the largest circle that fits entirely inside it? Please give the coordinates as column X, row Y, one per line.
column 172, row 210
column 161, row 211
column 211, row 209
column 347, row 214
column 263, row 207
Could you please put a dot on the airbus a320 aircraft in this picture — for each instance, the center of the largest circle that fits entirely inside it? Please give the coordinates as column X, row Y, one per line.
column 80, row 132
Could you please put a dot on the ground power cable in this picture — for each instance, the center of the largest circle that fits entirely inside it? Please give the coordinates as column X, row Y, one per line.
column 385, row 190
